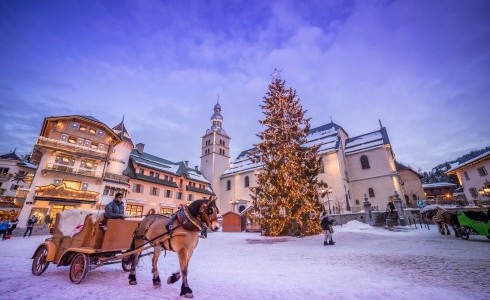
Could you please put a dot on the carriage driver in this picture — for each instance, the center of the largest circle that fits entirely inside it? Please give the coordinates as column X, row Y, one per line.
column 115, row 208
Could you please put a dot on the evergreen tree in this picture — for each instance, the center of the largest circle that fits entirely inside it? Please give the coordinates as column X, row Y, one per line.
column 286, row 195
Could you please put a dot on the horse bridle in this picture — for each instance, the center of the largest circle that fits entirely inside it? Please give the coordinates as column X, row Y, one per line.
column 206, row 211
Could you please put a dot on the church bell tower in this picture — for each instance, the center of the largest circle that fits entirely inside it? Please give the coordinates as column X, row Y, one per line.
column 215, row 152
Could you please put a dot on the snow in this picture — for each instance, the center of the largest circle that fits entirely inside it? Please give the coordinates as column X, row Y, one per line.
column 365, row 263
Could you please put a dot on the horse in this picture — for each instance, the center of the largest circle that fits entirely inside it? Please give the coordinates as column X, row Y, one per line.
column 442, row 219
column 178, row 233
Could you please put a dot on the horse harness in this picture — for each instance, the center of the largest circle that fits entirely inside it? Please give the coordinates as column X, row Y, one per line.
column 186, row 220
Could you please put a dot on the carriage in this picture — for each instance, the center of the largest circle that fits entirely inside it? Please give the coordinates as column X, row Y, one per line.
column 90, row 246
column 123, row 241
column 474, row 222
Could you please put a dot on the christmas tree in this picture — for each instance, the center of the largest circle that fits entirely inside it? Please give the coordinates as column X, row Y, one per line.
column 286, row 195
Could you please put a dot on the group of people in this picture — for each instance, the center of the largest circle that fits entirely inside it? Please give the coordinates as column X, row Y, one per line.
column 7, row 227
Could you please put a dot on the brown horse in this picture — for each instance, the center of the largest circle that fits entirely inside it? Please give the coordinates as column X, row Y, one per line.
column 178, row 233
column 442, row 219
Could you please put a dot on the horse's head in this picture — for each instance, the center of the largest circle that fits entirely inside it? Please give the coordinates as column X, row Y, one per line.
column 209, row 214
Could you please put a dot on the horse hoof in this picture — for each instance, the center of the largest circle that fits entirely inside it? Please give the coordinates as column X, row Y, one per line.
column 133, row 282
column 189, row 295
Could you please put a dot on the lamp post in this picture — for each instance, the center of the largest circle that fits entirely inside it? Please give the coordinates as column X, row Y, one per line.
column 329, row 191
column 325, row 190
column 233, row 203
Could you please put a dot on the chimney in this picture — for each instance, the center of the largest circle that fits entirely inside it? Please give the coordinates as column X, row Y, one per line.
column 186, row 162
column 196, row 167
column 140, row 147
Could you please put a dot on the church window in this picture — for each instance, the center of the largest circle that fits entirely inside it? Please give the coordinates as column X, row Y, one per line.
column 357, row 201
column 364, row 162
column 228, row 185
column 371, row 192
column 247, row 181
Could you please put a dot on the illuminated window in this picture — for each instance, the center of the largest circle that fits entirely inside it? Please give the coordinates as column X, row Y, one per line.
column 84, row 186
column 94, row 146
column 92, row 131
column 166, row 211
column 100, row 133
column 76, row 185
column 74, row 125
column 87, row 143
column 101, row 147
column 57, row 182
column 72, row 140
column 83, row 128
column 134, row 210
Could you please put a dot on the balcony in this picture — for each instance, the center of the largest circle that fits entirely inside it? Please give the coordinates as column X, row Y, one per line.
column 67, row 169
column 51, row 191
column 116, row 178
column 73, row 148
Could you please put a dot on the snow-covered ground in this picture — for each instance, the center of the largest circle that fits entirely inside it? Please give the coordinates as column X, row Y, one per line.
column 366, row 263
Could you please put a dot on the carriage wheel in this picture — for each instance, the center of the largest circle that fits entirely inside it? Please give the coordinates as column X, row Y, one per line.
column 78, row 268
column 465, row 233
column 40, row 264
column 127, row 263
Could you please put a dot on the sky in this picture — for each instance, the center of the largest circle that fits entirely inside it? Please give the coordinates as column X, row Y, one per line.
column 365, row 263
column 421, row 67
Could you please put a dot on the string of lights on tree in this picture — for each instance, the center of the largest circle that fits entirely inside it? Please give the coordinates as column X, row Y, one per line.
column 286, row 195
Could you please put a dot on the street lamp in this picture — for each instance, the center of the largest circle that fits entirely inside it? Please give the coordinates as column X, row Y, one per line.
column 233, row 203
column 325, row 190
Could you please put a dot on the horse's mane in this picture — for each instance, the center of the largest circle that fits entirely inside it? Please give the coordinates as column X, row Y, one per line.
column 195, row 206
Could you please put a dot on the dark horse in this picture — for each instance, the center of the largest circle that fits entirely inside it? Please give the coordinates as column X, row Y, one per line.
column 442, row 219
column 178, row 233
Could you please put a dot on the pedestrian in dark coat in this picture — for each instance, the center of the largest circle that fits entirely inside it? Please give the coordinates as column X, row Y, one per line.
column 326, row 224
column 391, row 206
column 30, row 225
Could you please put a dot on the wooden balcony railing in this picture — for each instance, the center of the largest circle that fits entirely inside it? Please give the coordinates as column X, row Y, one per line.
column 63, row 192
column 67, row 169
column 57, row 144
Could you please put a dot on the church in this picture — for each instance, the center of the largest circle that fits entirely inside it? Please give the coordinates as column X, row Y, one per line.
column 355, row 168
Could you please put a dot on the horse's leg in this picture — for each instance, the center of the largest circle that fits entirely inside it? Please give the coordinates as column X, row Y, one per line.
column 154, row 270
column 184, row 258
column 135, row 259
column 132, row 274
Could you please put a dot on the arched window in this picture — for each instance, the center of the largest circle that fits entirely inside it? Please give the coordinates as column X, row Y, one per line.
column 371, row 192
column 241, row 208
column 247, row 181
column 228, row 185
column 364, row 162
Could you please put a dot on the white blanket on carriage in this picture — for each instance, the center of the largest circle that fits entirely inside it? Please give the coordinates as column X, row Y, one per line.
column 71, row 221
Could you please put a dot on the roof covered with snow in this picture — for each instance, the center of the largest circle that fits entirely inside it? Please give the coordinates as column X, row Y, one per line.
column 437, row 185
column 484, row 156
column 367, row 141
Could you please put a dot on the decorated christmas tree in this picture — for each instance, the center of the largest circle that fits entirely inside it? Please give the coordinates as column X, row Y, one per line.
column 286, row 195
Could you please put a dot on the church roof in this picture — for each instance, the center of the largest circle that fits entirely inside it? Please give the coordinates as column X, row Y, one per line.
column 367, row 141
column 122, row 132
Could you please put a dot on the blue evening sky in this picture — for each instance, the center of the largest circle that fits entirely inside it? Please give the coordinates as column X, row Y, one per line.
column 422, row 67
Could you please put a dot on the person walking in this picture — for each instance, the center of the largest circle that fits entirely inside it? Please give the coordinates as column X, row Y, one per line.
column 327, row 227
column 4, row 225
column 391, row 206
column 13, row 225
column 30, row 225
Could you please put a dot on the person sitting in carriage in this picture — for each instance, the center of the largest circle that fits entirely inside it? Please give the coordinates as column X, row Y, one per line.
column 115, row 208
